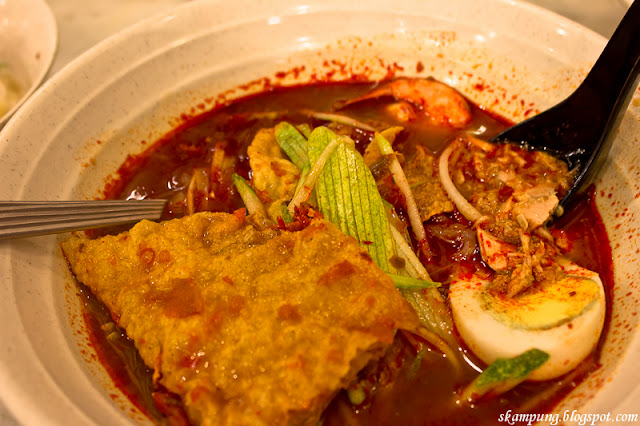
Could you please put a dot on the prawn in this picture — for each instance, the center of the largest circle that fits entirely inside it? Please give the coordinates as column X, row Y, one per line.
column 444, row 105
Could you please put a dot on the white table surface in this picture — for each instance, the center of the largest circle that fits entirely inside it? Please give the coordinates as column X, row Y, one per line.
column 83, row 23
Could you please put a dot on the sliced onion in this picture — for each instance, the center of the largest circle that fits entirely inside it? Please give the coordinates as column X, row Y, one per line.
column 342, row 119
column 401, row 180
column 456, row 234
column 463, row 206
column 199, row 182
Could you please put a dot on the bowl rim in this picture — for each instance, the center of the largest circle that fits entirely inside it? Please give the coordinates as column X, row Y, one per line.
column 41, row 10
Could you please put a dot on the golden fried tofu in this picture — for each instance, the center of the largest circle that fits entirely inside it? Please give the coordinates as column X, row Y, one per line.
column 247, row 326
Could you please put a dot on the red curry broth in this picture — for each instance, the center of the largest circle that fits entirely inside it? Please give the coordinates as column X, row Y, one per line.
column 405, row 389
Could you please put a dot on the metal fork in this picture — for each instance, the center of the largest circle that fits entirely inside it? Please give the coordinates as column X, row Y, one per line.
column 29, row 218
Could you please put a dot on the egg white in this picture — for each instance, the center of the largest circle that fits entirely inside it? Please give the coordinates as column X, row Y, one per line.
column 564, row 319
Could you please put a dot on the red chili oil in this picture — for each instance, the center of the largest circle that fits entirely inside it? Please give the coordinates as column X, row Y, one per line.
column 409, row 388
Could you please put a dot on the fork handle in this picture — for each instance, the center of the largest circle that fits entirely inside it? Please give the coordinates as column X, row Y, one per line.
column 30, row 218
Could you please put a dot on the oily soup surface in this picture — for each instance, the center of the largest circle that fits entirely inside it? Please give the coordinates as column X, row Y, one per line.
column 407, row 385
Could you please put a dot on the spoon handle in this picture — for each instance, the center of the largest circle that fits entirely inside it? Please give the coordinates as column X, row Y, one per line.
column 581, row 128
column 605, row 93
column 617, row 66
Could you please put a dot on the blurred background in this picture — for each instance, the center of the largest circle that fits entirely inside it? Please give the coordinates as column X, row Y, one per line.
column 82, row 24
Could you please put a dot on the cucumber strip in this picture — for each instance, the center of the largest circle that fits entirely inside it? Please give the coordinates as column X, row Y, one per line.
column 292, row 143
column 337, row 193
column 305, row 129
column 428, row 304
column 310, row 182
column 377, row 220
column 404, row 282
column 381, row 228
column 286, row 216
column 406, row 252
column 249, row 197
column 401, row 181
column 365, row 220
column 325, row 191
column 348, row 197
column 463, row 206
column 503, row 375
column 318, row 140
column 362, row 220
column 346, row 186
column 383, row 144
column 432, row 312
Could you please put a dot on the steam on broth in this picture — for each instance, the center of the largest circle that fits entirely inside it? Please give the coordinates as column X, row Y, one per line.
column 470, row 234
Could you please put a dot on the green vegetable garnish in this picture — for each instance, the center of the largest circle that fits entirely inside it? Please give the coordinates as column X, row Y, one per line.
column 303, row 176
column 292, row 143
column 305, row 129
column 348, row 197
column 356, row 395
column 249, row 197
column 417, row 362
column 286, row 216
column 305, row 187
column 403, row 282
column 503, row 375
column 403, row 185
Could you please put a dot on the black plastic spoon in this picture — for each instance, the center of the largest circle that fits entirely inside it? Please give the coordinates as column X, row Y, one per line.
column 581, row 129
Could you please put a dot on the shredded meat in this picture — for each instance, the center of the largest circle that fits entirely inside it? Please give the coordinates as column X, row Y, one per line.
column 517, row 191
column 427, row 190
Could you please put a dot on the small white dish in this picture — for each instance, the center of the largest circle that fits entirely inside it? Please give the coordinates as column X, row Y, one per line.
column 29, row 39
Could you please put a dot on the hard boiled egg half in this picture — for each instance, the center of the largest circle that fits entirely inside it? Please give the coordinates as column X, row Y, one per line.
column 563, row 318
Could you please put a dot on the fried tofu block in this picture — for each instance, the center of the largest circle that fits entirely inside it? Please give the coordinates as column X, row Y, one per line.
column 247, row 326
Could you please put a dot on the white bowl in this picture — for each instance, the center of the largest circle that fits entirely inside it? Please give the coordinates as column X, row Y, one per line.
column 511, row 57
column 29, row 41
